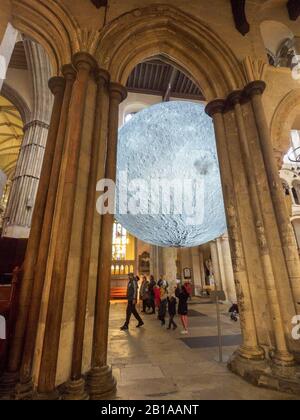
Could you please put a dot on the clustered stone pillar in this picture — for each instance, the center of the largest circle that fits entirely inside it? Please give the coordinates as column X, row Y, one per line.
column 258, row 227
column 81, row 149
column 101, row 382
column 84, row 65
column 288, row 240
column 250, row 348
column 19, row 211
column 76, row 386
column 11, row 376
column 261, row 216
column 37, row 277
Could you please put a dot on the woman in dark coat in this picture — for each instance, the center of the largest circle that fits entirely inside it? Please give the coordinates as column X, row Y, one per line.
column 183, row 296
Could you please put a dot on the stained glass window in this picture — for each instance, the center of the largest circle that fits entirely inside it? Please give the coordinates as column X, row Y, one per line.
column 120, row 242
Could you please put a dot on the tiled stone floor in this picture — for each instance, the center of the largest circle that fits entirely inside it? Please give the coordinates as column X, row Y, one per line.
column 153, row 363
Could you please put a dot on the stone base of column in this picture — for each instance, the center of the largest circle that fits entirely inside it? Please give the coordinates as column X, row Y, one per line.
column 75, row 390
column 47, row 396
column 101, row 383
column 24, row 391
column 8, row 382
column 282, row 359
column 266, row 374
column 251, row 353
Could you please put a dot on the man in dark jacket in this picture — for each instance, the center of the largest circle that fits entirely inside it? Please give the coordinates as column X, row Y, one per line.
column 151, row 294
column 132, row 294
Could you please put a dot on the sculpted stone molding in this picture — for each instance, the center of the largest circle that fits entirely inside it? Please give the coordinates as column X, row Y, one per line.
column 58, row 31
column 161, row 29
column 117, row 91
column 254, row 69
column 235, row 97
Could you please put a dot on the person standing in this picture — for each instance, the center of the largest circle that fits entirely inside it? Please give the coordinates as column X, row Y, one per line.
column 152, row 284
column 183, row 296
column 172, row 303
column 144, row 293
column 132, row 294
column 163, row 303
column 156, row 291
column 160, row 281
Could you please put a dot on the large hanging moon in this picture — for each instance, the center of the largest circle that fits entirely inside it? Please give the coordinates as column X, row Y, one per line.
column 168, row 183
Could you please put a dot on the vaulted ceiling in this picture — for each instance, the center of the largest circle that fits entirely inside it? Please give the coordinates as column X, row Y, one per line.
column 11, row 134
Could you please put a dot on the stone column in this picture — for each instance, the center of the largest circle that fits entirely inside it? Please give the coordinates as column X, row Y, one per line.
column 57, row 86
column 216, row 264
column 254, row 90
column 18, row 216
column 3, row 179
column 169, row 265
column 76, row 386
column 197, row 266
column 84, row 65
column 61, row 114
column 228, row 271
column 156, row 261
column 250, row 348
column 281, row 354
column 101, row 382
column 221, row 268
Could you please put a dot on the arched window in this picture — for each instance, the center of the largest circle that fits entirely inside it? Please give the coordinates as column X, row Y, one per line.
column 120, row 241
column 123, row 257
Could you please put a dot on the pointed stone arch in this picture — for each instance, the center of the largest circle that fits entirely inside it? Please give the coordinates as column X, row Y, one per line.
column 49, row 23
column 162, row 29
column 14, row 97
column 283, row 120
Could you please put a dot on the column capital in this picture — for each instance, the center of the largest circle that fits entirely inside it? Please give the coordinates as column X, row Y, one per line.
column 255, row 88
column 85, row 61
column 215, row 107
column 35, row 123
column 235, row 98
column 117, row 91
column 102, row 76
column 69, row 72
column 56, row 84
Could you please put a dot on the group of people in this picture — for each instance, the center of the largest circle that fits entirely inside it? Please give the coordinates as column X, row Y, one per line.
column 157, row 298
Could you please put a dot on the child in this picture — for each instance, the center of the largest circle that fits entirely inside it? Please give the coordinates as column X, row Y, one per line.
column 172, row 312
